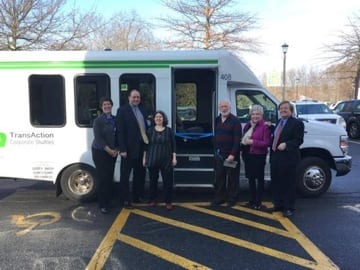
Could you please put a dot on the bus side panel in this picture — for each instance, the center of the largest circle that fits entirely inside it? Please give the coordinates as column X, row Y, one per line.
column 37, row 152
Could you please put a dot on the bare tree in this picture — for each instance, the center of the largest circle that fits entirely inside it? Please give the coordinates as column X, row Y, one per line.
column 42, row 24
column 346, row 51
column 338, row 80
column 125, row 31
column 310, row 83
column 209, row 24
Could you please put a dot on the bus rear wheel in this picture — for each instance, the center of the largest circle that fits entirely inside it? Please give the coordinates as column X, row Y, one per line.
column 78, row 182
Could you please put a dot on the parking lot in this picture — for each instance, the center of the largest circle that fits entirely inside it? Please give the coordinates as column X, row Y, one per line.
column 239, row 230
column 40, row 231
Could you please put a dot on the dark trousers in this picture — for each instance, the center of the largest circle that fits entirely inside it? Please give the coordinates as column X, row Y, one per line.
column 283, row 185
column 138, row 184
column 226, row 182
column 254, row 171
column 167, row 177
column 105, row 165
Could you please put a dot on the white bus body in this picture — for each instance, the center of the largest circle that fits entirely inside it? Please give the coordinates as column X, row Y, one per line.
column 49, row 100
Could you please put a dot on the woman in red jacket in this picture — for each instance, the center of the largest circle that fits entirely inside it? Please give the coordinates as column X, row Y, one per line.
column 254, row 145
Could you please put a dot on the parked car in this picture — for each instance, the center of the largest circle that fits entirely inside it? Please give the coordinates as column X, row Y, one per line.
column 313, row 110
column 350, row 111
column 187, row 113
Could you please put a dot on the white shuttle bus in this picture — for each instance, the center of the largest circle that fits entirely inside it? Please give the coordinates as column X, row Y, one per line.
column 49, row 100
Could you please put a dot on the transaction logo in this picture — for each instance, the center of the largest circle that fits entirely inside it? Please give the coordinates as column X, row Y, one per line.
column 2, row 139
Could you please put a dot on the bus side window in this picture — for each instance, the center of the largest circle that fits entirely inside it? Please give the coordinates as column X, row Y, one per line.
column 89, row 88
column 246, row 98
column 146, row 84
column 47, row 100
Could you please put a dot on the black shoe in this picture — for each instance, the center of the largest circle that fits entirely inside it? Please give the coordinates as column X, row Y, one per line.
column 259, row 207
column 217, row 203
column 128, row 205
column 231, row 203
column 275, row 209
column 250, row 204
column 104, row 210
column 288, row 213
column 139, row 200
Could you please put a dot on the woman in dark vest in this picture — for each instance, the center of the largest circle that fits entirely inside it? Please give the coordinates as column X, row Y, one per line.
column 160, row 156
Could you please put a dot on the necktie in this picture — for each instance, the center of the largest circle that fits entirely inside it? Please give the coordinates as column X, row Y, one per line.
column 277, row 135
column 141, row 124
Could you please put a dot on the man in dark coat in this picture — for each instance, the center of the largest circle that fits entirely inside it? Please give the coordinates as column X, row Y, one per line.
column 227, row 148
column 285, row 155
column 131, row 138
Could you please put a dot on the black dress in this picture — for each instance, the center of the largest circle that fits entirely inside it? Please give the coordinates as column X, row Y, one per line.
column 159, row 159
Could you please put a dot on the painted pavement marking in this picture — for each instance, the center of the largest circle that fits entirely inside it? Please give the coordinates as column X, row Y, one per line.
column 320, row 260
column 30, row 222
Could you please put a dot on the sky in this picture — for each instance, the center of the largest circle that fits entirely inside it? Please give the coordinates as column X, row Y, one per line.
column 305, row 25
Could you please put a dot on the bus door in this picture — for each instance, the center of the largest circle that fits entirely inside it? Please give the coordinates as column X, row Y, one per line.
column 193, row 113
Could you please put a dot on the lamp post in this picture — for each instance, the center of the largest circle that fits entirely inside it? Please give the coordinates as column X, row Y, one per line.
column 284, row 49
column 297, row 80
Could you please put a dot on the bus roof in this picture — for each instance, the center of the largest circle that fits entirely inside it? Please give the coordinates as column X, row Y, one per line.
column 225, row 60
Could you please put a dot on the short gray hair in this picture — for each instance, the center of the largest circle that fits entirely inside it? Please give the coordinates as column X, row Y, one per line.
column 226, row 101
column 256, row 107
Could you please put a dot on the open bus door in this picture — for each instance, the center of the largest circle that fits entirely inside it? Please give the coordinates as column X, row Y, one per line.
column 193, row 114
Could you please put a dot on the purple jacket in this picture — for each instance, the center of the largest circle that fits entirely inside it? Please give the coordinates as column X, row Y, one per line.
column 261, row 137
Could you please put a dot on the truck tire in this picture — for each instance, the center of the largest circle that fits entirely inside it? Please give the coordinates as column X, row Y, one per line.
column 78, row 182
column 354, row 130
column 313, row 177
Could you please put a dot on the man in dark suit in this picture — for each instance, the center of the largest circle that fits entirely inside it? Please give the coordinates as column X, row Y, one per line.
column 131, row 138
column 287, row 137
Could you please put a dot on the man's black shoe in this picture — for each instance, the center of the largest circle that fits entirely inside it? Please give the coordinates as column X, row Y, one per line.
column 231, row 203
column 139, row 200
column 259, row 207
column 217, row 203
column 288, row 213
column 128, row 205
column 250, row 204
column 275, row 209
column 104, row 210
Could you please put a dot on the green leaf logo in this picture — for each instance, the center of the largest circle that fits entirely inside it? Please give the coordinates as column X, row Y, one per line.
column 2, row 139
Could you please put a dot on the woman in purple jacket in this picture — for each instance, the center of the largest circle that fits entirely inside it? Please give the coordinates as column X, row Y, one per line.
column 254, row 145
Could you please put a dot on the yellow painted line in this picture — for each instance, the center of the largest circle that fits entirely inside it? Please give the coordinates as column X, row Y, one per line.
column 162, row 253
column 244, row 221
column 232, row 240
column 310, row 248
column 102, row 253
column 30, row 222
column 321, row 262
column 290, row 228
column 254, row 212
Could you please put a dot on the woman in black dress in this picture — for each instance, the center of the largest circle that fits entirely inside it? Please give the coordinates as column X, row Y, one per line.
column 160, row 156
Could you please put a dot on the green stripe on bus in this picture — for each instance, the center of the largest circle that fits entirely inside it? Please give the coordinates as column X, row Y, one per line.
column 100, row 64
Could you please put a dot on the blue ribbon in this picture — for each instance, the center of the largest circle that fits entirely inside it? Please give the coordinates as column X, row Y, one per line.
column 193, row 136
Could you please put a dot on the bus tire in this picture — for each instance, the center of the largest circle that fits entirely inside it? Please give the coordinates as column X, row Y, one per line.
column 78, row 182
column 313, row 177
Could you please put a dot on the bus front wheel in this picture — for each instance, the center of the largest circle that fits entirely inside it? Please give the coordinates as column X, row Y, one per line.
column 78, row 182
